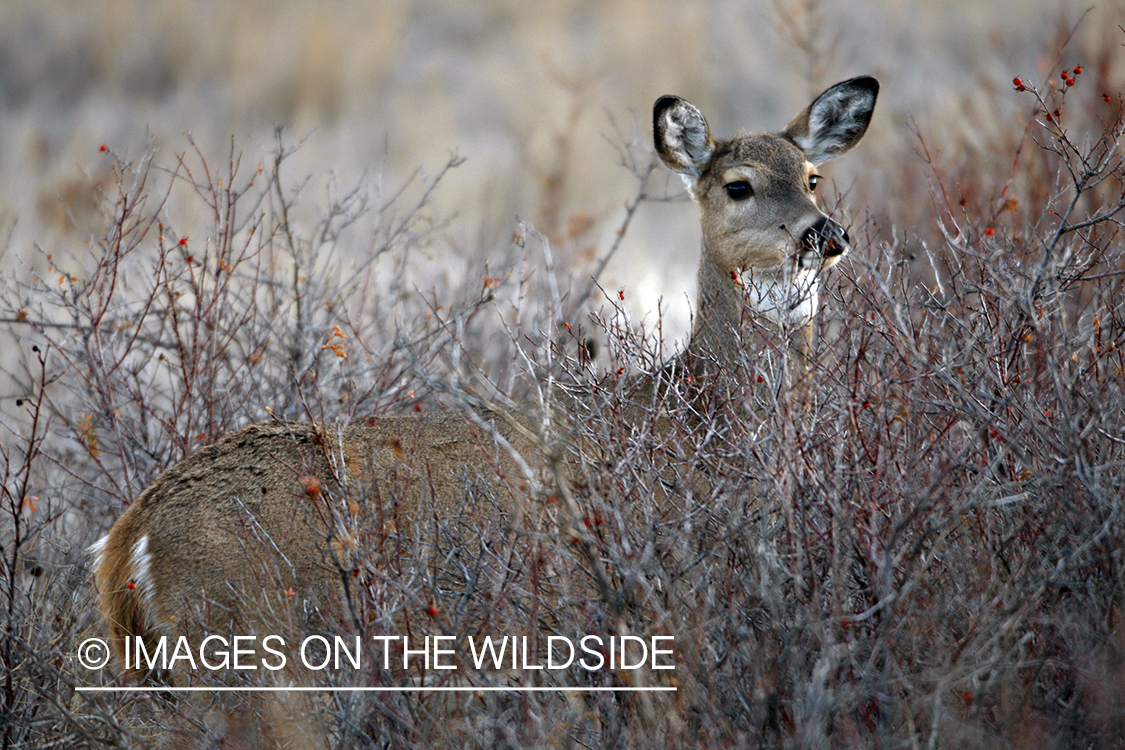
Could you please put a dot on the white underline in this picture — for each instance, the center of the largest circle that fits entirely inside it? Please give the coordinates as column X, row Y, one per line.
column 388, row 689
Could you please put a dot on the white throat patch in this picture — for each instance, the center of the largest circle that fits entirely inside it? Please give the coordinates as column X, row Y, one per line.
column 787, row 296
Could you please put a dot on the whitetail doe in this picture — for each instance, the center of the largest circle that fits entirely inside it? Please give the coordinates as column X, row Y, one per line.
column 263, row 526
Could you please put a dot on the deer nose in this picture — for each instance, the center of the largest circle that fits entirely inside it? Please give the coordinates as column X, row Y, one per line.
column 825, row 238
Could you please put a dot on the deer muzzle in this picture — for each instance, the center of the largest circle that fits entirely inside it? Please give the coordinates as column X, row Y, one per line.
column 824, row 240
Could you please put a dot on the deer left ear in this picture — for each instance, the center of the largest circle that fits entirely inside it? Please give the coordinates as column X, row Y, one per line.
column 836, row 120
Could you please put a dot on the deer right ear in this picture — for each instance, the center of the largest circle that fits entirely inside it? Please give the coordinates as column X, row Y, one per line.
column 836, row 120
column 682, row 137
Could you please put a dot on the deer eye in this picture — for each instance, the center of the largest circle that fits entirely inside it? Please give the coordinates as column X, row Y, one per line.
column 814, row 180
column 739, row 190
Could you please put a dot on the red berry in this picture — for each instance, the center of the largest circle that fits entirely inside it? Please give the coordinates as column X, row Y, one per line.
column 103, row 148
column 130, row 585
column 990, row 231
column 1069, row 81
column 1018, row 84
column 1106, row 99
column 1077, row 69
column 183, row 240
column 1064, row 75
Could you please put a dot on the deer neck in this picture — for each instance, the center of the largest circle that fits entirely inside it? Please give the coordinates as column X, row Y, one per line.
column 717, row 335
column 742, row 318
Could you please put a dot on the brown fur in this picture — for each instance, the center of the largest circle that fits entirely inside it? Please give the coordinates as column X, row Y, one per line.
column 287, row 486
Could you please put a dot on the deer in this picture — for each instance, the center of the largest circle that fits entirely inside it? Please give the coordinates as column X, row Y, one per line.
column 266, row 521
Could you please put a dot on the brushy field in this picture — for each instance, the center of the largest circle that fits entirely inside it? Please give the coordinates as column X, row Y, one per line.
column 919, row 545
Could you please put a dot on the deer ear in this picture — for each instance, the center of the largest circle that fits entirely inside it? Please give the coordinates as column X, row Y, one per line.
column 836, row 120
column 682, row 137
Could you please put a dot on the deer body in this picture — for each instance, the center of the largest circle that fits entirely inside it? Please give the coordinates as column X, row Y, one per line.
column 270, row 488
column 264, row 521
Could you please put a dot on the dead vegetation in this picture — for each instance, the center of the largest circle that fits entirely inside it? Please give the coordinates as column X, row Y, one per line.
column 919, row 545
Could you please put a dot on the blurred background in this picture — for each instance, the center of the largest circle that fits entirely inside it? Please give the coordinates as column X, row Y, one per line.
column 540, row 98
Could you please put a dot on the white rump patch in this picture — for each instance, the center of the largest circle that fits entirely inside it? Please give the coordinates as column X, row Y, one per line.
column 97, row 549
column 788, row 297
column 140, row 569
